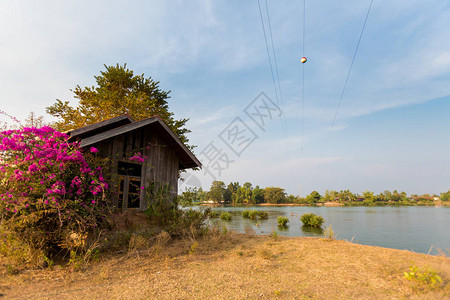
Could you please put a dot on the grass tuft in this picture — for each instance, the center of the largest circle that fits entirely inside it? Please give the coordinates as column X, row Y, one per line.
column 225, row 216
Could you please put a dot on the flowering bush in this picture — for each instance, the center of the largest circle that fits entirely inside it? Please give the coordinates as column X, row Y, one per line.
column 138, row 157
column 50, row 193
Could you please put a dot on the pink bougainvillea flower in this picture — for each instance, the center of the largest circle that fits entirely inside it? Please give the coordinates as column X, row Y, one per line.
column 138, row 158
column 42, row 162
column 94, row 150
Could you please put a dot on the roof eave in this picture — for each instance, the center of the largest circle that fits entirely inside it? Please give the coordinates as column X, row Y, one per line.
column 194, row 162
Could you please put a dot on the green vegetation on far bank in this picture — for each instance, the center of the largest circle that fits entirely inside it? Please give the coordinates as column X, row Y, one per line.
column 236, row 194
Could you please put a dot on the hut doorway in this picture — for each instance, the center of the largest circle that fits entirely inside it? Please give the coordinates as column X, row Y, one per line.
column 129, row 185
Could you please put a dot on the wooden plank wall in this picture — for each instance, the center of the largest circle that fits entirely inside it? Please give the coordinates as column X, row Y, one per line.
column 162, row 165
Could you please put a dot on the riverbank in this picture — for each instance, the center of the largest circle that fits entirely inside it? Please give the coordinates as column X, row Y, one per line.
column 230, row 265
column 272, row 204
column 332, row 204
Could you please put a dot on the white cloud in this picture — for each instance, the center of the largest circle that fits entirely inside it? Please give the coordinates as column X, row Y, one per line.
column 48, row 47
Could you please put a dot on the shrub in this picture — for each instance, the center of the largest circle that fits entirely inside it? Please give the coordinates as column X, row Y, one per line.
column 263, row 215
column 274, row 235
column 329, row 233
column 226, row 216
column 213, row 214
column 312, row 220
column 163, row 209
column 254, row 214
column 423, row 276
column 51, row 195
column 178, row 222
column 282, row 221
column 187, row 223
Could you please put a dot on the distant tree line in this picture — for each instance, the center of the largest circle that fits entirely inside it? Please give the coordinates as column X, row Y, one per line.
column 236, row 194
column 370, row 198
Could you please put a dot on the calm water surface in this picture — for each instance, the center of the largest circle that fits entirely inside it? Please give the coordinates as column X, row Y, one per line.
column 414, row 228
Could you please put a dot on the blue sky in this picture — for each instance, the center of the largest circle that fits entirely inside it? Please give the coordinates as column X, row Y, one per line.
column 391, row 131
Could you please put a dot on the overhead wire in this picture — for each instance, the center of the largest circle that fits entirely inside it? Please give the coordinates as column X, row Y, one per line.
column 278, row 91
column 303, row 77
column 268, row 52
column 277, row 74
column 343, row 91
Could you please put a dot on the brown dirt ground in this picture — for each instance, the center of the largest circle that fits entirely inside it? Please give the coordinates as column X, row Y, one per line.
column 235, row 266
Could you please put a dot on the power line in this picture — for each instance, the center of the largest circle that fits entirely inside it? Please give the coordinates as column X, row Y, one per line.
column 283, row 119
column 303, row 78
column 343, row 89
column 268, row 52
column 277, row 89
column 304, row 26
column 280, row 98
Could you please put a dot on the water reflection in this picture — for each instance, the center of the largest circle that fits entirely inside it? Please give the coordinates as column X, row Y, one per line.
column 283, row 227
column 312, row 231
column 410, row 228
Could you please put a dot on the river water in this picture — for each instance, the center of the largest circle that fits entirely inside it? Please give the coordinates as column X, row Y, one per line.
column 414, row 228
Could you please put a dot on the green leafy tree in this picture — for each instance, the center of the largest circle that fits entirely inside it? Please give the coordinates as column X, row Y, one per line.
column 396, row 196
column 227, row 196
column 257, row 195
column 274, row 195
column 243, row 195
column 201, row 195
column 216, row 192
column 445, row 196
column 290, row 199
column 368, row 197
column 190, row 195
column 248, row 185
column 118, row 91
column 387, row 195
column 329, row 196
column 380, row 197
column 314, row 197
column 232, row 190
column 346, row 196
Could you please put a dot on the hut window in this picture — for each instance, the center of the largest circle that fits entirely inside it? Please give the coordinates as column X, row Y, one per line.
column 121, row 190
column 130, row 184
column 134, row 195
column 130, row 169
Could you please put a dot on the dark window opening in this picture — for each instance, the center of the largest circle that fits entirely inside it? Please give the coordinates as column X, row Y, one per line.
column 121, row 189
column 141, row 140
column 125, row 141
column 133, row 141
column 130, row 169
column 134, row 195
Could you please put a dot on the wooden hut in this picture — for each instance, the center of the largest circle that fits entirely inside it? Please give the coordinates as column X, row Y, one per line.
column 142, row 156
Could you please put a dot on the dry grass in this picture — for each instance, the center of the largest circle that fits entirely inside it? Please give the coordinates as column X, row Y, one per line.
column 235, row 266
